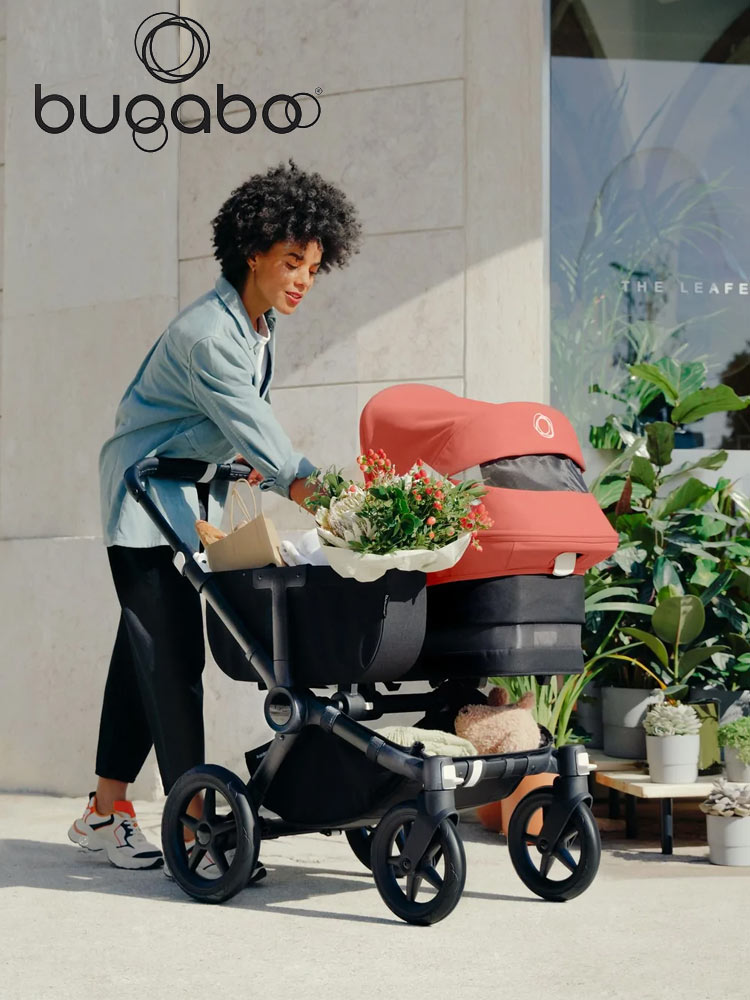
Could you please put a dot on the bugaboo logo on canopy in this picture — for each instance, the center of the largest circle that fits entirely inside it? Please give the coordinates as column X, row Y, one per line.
column 145, row 114
column 543, row 425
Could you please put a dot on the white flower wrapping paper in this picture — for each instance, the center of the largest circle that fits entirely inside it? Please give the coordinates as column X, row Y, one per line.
column 364, row 567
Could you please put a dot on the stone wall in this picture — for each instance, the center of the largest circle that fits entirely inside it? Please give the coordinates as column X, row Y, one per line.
column 431, row 120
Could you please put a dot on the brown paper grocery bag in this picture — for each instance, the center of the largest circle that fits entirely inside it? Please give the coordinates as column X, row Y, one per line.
column 253, row 542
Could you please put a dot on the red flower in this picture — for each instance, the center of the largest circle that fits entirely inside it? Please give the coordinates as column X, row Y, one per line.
column 418, row 497
column 430, row 520
column 431, row 534
column 428, row 490
column 437, row 505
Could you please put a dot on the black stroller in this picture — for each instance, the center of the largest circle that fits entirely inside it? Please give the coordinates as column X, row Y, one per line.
column 295, row 629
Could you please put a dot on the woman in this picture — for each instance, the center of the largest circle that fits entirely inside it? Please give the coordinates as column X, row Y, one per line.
column 202, row 393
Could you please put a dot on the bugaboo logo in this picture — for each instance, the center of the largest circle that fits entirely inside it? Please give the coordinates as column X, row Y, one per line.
column 543, row 425
column 281, row 113
column 194, row 61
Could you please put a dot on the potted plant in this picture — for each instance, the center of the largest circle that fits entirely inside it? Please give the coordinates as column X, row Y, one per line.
column 680, row 537
column 735, row 738
column 672, row 743
column 553, row 708
column 727, row 812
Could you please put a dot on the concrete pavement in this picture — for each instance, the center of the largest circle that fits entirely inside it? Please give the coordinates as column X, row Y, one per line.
column 73, row 926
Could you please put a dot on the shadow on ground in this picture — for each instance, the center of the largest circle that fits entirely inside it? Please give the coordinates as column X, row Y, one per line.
column 58, row 867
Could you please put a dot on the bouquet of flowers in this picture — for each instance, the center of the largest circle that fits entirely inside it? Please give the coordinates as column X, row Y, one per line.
column 396, row 516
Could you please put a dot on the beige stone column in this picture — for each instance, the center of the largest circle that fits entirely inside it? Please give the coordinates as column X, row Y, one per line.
column 506, row 327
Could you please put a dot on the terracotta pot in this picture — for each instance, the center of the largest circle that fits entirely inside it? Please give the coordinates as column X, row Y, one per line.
column 490, row 816
column 528, row 784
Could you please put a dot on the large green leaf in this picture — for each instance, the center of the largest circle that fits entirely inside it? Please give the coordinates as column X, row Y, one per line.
column 660, row 442
column 656, row 646
column 628, row 556
column 679, row 620
column 699, row 404
column 692, row 493
column 716, row 586
column 642, row 471
column 606, row 594
column 630, row 606
column 608, row 491
column 619, row 461
column 692, row 658
column 657, row 377
column 713, row 461
column 704, row 574
column 666, row 575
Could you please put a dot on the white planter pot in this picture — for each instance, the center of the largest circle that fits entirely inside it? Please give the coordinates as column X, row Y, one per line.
column 736, row 770
column 729, row 840
column 673, row 760
column 623, row 712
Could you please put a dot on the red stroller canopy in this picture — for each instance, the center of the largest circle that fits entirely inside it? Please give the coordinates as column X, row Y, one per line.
column 451, row 433
column 536, row 530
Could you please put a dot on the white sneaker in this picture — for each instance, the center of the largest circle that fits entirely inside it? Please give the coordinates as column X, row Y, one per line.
column 208, row 868
column 116, row 833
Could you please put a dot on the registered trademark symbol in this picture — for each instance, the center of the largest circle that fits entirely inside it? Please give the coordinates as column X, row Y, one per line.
column 318, row 91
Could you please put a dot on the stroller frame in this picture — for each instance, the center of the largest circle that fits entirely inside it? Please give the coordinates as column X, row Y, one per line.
column 441, row 785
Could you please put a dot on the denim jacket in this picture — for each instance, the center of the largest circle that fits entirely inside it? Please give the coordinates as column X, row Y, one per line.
column 196, row 395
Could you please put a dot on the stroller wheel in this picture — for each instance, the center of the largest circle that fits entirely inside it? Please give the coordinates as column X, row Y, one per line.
column 227, row 839
column 570, row 867
column 433, row 888
column 360, row 841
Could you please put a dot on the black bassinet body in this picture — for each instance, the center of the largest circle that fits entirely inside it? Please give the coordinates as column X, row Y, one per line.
column 339, row 631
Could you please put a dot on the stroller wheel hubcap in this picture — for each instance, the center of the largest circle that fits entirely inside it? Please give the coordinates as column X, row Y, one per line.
column 203, row 835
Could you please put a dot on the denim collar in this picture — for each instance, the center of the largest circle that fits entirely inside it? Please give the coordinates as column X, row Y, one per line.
column 233, row 301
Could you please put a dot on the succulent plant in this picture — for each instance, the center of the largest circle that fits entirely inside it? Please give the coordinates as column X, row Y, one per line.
column 737, row 736
column 727, row 800
column 665, row 719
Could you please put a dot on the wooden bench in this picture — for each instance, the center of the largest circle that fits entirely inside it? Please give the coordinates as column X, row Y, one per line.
column 637, row 785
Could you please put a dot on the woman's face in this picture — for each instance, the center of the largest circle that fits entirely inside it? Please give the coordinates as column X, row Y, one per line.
column 283, row 275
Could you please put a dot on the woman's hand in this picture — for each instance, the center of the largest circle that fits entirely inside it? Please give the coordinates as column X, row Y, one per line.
column 254, row 477
column 299, row 491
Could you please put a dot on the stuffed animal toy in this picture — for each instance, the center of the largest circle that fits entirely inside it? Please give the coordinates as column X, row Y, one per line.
column 498, row 727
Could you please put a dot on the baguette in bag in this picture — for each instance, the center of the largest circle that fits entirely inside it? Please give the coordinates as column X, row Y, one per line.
column 252, row 543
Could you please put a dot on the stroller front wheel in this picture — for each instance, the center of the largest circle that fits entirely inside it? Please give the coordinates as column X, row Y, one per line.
column 569, row 868
column 226, row 837
column 437, row 878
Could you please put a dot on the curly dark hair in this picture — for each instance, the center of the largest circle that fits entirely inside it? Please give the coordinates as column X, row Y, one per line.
column 285, row 203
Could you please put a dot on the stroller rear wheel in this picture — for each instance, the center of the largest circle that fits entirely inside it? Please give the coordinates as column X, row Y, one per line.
column 360, row 841
column 570, row 867
column 227, row 840
column 437, row 878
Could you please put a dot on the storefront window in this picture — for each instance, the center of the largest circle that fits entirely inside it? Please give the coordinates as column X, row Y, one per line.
column 649, row 202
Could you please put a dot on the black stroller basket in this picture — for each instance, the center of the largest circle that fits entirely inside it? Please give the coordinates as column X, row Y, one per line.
column 292, row 629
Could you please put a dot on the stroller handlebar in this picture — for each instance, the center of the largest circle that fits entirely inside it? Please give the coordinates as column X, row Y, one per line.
column 183, row 469
column 186, row 469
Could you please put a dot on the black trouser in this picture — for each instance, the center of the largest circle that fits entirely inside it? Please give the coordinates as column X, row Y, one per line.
column 154, row 690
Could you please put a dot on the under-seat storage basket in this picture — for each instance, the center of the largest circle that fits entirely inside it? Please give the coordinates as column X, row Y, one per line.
column 503, row 626
column 324, row 780
column 339, row 631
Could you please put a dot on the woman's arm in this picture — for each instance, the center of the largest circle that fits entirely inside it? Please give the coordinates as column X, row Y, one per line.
column 222, row 390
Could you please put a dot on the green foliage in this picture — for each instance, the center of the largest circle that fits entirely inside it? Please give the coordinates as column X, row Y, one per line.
column 681, row 575
column 737, row 736
column 553, row 702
